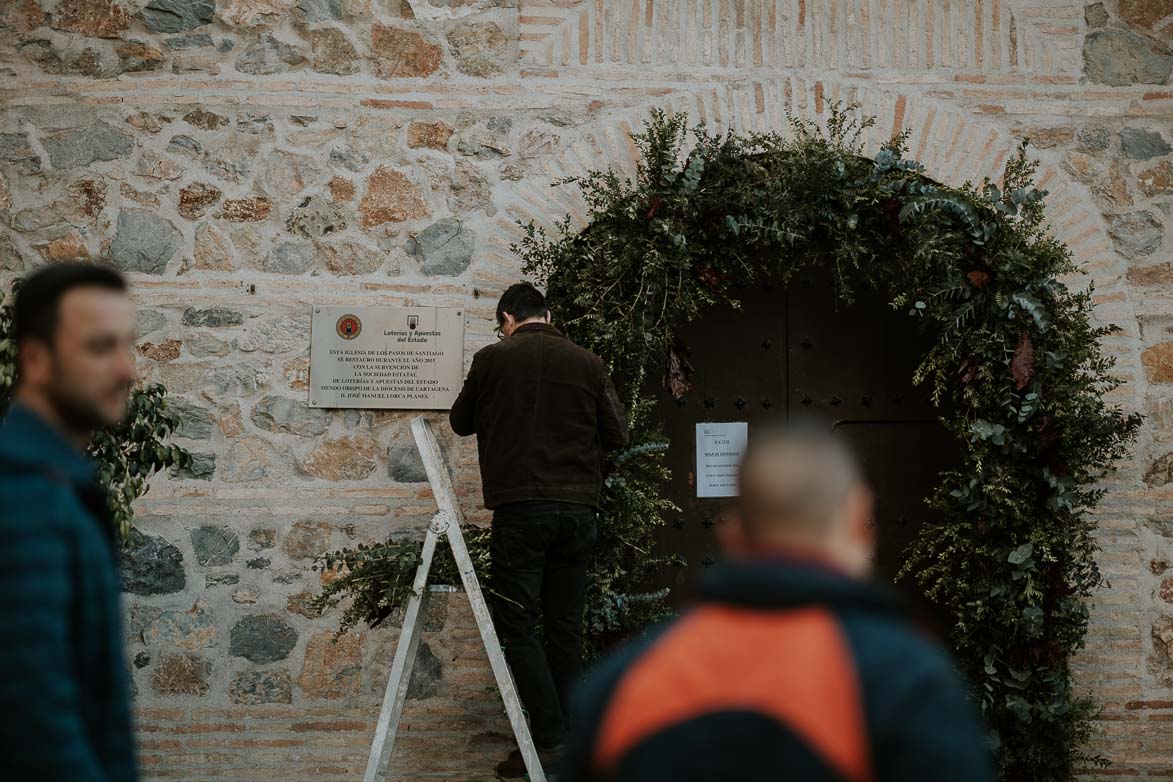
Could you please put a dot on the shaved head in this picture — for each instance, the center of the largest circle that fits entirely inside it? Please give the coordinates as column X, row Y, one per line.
column 801, row 487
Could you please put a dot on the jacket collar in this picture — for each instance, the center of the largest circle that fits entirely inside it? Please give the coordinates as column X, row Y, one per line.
column 781, row 581
column 27, row 440
column 540, row 328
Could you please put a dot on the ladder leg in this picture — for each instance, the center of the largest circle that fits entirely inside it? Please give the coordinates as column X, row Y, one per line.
column 447, row 502
column 501, row 672
column 399, row 678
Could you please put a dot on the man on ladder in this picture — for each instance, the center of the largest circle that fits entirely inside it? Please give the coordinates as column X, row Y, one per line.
column 544, row 411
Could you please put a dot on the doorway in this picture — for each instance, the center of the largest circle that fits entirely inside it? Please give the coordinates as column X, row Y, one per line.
column 801, row 350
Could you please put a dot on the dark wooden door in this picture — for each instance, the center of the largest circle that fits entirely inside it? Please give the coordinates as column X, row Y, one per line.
column 802, row 350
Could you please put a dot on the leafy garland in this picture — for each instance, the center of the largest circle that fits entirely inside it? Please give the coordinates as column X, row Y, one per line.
column 127, row 456
column 1015, row 369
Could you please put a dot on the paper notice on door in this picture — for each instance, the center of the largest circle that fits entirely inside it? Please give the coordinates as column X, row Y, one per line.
column 718, row 452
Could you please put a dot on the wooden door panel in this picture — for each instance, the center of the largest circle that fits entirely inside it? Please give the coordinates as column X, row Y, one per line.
column 739, row 363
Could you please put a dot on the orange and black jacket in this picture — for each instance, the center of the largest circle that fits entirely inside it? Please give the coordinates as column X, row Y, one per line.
column 783, row 671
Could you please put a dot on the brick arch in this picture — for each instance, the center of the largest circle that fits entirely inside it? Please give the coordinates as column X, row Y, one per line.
column 955, row 146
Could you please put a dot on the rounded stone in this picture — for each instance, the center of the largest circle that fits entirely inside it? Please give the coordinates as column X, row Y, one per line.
column 252, row 688
column 1142, row 144
column 281, row 414
column 151, row 566
column 404, row 464
column 1121, row 57
column 445, row 247
column 181, row 674
column 173, row 16
column 262, row 639
column 289, row 258
column 1136, row 234
column 143, row 242
column 82, row 146
column 214, row 545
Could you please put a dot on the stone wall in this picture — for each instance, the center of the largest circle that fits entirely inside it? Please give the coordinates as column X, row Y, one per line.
column 244, row 158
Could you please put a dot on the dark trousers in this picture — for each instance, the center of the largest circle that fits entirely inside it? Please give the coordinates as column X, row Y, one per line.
column 540, row 553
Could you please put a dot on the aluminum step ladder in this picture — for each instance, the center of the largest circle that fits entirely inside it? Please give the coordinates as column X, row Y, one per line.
column 447, row 522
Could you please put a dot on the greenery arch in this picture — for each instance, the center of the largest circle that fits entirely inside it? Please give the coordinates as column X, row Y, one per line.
column 1016, row 357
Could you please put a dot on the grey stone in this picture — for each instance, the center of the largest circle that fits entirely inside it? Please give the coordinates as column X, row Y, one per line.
column 143, row 242
column 1136, row 234
column 289, row 258
column 1095, row 15
column 174, row 16
column 231, row 382
column 204, row 345
column 320, row 10
column 150, row 321
column 260, row 563
column 221, row 579
column 486, row 140
column 192, row 629
column 83, row 146
column 404, row 464
column 268, row 55
column 1142, row 144
column 186, row 146
column 232, row 162
column 445, row 247
column 254, row 124
column 10, row 257
column 202, row 467
column 276, row 335
column 262, row 639
column 348, row 157
column 281, row 414
column 256, row 687
column 289, row 577
column 47, row 216
column 16, row 149
column 142, row 660
column 189, row 41
column 1094, row 139
column 426, row 675
column 212, row 316
column 194, row 421
column 214, row 545
column 315, row 217
column 1120, row 57
column 151, row 566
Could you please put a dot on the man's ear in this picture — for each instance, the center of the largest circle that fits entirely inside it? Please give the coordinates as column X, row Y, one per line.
column 862, row 517
column 34, row 360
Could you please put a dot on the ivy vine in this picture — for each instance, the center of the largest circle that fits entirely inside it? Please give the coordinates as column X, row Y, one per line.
column 1015, row 370
column 128, row 455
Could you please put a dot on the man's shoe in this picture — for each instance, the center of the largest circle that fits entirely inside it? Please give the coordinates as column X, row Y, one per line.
column 513, row 767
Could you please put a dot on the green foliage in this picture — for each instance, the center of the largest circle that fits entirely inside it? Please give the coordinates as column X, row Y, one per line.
column 127, row 456
column 1016, row 371
column 377, row 579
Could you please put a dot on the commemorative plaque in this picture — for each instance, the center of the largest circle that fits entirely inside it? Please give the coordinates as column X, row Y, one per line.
column 406, row 358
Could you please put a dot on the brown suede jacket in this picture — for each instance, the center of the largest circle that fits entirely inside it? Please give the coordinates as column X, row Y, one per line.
column 544, row 412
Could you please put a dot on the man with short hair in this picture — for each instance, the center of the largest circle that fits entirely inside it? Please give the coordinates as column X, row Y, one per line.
column 64, row 688
column 544, row 412
column 791, row 667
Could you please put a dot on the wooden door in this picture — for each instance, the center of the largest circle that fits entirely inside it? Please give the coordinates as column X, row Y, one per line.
column 803, row 350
